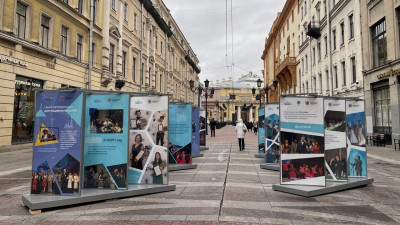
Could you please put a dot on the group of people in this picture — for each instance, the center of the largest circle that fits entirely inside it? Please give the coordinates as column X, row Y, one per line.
column 272, row 129
column 305, row 171
column 48, row 136
column 101, row 179
column 252, row 126
column 182, row 158
column 304, row 147
column 45, row 183
column 106, row 126
column 355, row 133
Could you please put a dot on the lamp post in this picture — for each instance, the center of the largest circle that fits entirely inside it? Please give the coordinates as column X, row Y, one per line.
column 191, row 84
column 266, row 89
column 206, row 84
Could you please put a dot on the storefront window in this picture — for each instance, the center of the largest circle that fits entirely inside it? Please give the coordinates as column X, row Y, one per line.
column 24, row 100
column 383, row 116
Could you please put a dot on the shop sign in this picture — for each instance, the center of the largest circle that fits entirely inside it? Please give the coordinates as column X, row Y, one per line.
column 28, row 83
column 388, row 73
column 14, row 61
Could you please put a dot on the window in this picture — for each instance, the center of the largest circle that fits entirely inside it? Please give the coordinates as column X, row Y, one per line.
column 126, row 11
column 319, row 50
column 64, row 39
column 306, row 63
column 94, row 53
column 21, row 20
column 304, row 90
column 351, row 26
column 287, row 24
column 334, row 3
column 353, row 69
column 302, row 39
column 325, row 10
column 155, row 80
column 326, row 45
column 315, row 84
column 294, row 51
column 65, row 1
column 144, row 30
column 313, row 55
column 161, row 47
column 80, row 6
column 134, row 69
column 123, row 64
column 379, row 45
column 383, row 117
column 302, row 65
column 135, row 21
column 336, row 77
column 301, row 13
column 45, row 31
column 307, row 87
column 150, row 37
column 111, row 59
column 160, row 82
column 113, row 5
column 342, row 33
column 94, row 11
column 156, row 40
column 305, row 7
column 141, row 79
column 79, row 48
column 334, row 39
column 327, row 80
column 292, row 16
column 344, row 73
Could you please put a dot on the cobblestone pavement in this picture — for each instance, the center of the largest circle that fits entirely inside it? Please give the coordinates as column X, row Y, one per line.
column 228, row 187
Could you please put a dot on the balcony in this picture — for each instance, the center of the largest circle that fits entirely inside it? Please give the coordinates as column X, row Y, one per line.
column 314, row 29
column 286, row 75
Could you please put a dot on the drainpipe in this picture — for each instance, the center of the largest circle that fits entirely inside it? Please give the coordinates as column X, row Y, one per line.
column 141, row 48
column 90, row 46
column 330, row 68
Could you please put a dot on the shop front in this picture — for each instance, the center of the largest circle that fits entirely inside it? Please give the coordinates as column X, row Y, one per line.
column 24, row 99
column 382, row 91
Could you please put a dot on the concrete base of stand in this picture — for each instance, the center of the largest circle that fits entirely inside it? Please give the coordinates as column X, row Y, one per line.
column 259, row 155
column 203, row 148
column 175, row 167
column 197, row 155
column 331, row 186
column 39, row 202
column 270, row 166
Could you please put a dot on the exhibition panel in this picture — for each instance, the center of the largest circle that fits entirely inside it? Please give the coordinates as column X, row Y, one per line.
column 180, row 133
column 57, row 146
column 335, row 139
column 261, row 131
column 106, row 141
column 272, row 145
column 196, row 130
column 302, row 124
column 148, row 139
column 356, row 144
column 203, row 124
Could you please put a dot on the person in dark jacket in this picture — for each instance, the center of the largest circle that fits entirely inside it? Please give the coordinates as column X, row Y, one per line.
column 302, row 146
column 337, row 166
column 213, row 125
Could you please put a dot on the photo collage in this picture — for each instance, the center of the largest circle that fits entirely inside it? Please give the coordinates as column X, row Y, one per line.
column 148, row 140
column 272, row 133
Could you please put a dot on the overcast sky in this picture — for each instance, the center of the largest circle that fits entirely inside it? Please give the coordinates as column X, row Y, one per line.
column 203, row 22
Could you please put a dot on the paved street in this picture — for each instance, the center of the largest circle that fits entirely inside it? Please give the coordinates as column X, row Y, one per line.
column 228, row 185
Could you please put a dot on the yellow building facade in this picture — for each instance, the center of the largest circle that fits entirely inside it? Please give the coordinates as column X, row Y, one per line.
column 45, row 45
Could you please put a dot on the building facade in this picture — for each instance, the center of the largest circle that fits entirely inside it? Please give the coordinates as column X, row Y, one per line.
column 244, row 106
column 327, row 43
column 45, row 45
column 381, row 51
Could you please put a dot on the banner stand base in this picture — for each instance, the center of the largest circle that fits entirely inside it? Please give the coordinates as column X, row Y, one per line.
column 331, row 186
column 197, row 155
column 39, row 202
column 176, row 167
column 270, row 166
column 203, row 148
column 259, row 155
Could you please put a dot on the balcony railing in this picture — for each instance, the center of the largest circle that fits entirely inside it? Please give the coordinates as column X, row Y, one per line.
column 314, row 29
column 289, row 61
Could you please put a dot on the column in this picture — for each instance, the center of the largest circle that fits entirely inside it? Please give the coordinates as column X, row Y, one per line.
column 106, row 36
column 239, row 113
column 251, row 113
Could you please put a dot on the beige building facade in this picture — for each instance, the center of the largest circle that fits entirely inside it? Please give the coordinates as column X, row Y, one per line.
column 45, row 45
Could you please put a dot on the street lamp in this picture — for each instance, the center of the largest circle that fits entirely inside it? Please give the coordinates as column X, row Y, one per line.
column 259, row 82
column 272, row 88
column 191, row 84
column 206, row 83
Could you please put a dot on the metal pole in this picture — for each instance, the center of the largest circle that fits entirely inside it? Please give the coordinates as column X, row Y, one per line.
column 206, row 95
column 90, row 46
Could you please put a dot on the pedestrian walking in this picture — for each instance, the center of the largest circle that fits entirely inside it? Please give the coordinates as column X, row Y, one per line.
column 241, row 130
column 255, row 128
column 250, row 128
column 213, row 125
